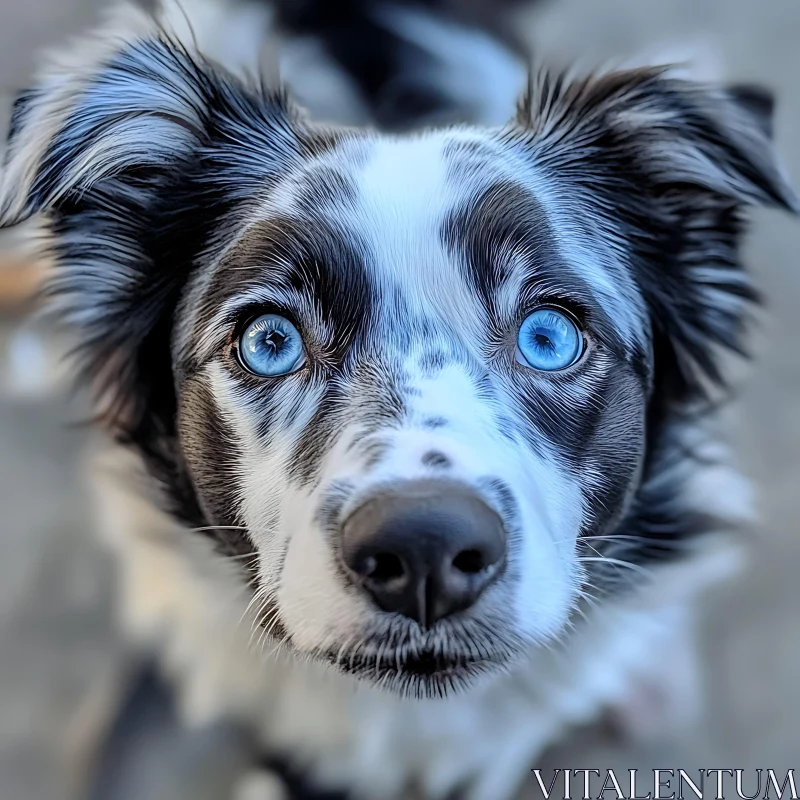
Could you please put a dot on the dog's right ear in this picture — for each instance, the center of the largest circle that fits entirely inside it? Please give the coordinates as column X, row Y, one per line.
column 130, row 99
column 117, row 103
column 131, row 147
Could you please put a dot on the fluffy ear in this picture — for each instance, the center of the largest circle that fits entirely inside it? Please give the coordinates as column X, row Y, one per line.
column 117, row 102
column 677, row 131
column 132, row 147
column 668, row 165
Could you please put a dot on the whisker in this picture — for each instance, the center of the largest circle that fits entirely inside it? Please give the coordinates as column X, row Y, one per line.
column 202, row 528
column 618, row 562
column 242, row 556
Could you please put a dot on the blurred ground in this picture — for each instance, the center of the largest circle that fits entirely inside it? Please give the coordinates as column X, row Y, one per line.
column 56, row 641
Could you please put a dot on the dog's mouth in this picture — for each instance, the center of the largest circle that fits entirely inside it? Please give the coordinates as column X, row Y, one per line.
column 422, row 673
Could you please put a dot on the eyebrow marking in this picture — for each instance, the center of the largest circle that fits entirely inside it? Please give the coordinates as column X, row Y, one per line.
column 315, row 271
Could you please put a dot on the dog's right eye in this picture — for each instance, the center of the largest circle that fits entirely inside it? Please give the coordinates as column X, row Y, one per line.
column 270, row 345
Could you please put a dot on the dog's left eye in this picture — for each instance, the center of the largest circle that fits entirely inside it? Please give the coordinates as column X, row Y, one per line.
column 549, row 340
column 270, row 345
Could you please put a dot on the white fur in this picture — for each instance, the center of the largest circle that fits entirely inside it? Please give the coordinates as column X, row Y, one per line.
column 403, row 194
column 182, row 599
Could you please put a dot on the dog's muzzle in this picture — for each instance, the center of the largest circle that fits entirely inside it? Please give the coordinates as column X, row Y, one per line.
column 424, row 550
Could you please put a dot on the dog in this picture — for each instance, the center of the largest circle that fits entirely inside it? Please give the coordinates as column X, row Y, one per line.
column 416, row 457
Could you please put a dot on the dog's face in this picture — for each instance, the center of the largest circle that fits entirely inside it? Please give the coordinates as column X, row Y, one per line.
column 420, row 379
column 406, row 333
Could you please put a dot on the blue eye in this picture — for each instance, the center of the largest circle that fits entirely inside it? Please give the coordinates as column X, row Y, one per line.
column 549, row 340
column 271, row 345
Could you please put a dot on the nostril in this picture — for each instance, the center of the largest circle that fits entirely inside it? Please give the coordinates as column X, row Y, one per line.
column 384, row 567
column 470, row 561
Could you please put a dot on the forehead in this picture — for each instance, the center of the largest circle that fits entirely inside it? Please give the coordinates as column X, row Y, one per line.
column 449, row 221
column 406, row 198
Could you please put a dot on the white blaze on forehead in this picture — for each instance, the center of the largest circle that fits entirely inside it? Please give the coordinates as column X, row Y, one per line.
column 405, row 195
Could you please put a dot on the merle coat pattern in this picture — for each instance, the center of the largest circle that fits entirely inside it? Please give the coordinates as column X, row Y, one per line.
column 181, row 200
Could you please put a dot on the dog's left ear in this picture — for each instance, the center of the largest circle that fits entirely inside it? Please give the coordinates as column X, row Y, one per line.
column 719, row 138
column 670, row 131
column 670, row 165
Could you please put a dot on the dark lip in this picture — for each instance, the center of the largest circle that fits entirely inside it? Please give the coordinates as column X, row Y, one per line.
column 398, row 656
column 421, row 674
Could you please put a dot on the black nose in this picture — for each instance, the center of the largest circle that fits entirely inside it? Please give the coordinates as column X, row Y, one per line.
column 424, row 551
